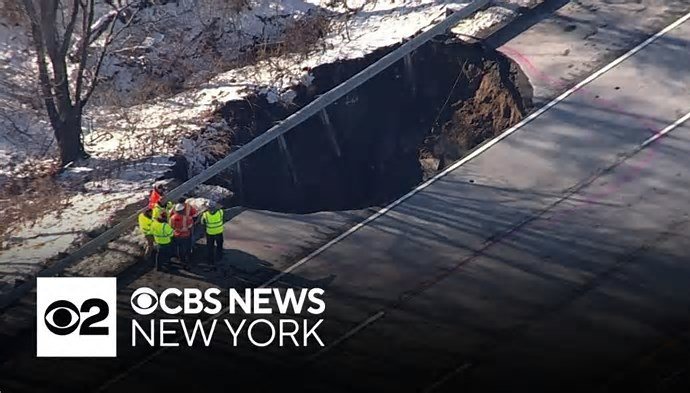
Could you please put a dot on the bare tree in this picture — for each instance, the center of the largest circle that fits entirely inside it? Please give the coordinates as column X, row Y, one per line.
column 53, row 30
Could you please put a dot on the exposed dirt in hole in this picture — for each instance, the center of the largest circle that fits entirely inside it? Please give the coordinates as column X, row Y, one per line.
column 392, row 132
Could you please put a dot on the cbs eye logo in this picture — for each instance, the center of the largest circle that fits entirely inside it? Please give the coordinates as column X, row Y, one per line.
column 75, row 316
column 144, row 301
column 63, row 317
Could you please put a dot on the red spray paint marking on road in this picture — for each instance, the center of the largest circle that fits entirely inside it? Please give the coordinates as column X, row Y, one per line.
column 635, row 171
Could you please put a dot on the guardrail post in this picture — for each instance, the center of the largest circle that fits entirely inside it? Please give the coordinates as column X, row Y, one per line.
column 331, row 131
column 238, row 182
column 288, row 157
column 409, row 72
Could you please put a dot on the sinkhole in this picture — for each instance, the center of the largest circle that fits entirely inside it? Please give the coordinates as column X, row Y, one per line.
column 382, row 139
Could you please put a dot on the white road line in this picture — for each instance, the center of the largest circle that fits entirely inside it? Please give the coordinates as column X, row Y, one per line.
column 482, row 148
column 665, row 131
column 349, row 334
column 461, row 369
column 440, row 175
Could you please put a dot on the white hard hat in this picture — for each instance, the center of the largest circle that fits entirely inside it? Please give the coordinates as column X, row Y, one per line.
column 179, row 207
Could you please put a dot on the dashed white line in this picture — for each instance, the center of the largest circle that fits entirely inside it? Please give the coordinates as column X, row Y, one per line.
column 665, row 131
column 457, row 371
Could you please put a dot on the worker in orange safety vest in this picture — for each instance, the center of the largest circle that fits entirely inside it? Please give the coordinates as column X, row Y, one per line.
column 156, row 194
column 182, row 222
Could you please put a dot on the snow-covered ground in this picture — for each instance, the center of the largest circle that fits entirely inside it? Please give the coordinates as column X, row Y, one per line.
column 130, row 144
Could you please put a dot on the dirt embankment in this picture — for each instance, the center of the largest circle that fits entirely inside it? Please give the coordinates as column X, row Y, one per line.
column 382, row 139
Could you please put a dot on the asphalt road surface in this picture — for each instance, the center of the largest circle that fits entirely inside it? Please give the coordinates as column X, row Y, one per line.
column 555, row 260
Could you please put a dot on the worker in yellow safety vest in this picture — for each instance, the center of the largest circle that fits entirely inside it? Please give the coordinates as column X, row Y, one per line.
column 162, row 234
column 213, row 220
column 145, row 221
column 162, row 207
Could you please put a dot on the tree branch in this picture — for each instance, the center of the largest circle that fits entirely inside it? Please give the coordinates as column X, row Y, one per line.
column 48, row 18
column 100, row 26
column 87, row 20
column 108, row 40
column 50, row 38
column 44, row 78
column 70, row 27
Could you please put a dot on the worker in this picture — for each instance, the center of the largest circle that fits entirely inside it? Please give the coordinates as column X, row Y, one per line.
column 162, row 235
column 188, row 208
column 156, row 194
column 145, row 220
column 162, row 206
column 213, row 220
column 182, row 223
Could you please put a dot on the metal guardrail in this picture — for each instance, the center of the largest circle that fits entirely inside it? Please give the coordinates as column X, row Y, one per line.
column 286, row 125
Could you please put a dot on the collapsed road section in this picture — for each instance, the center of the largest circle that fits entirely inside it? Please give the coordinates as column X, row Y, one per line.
column 382, row 139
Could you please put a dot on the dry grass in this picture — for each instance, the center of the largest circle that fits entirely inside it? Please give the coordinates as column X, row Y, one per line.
column 160, row 86
column 300, row 37
column 11, row 11
column 27, row 198
column 209, row 10
column 171, row 75
column 237, row 6
column 303, row 35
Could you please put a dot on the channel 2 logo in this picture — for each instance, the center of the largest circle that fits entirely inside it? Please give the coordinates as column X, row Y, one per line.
column 75, row 317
